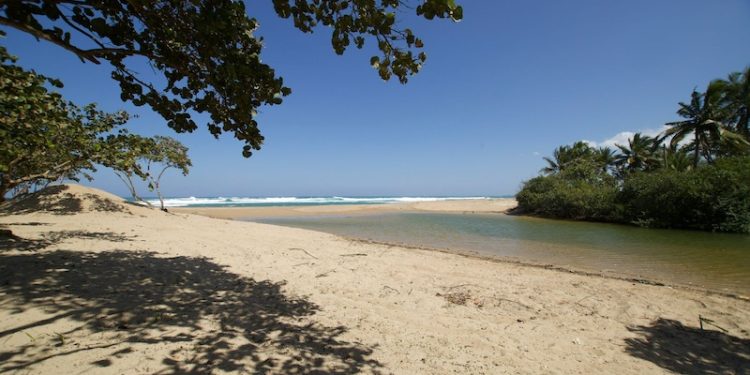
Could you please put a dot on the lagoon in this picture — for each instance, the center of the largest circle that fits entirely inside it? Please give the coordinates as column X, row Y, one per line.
column 714, row 261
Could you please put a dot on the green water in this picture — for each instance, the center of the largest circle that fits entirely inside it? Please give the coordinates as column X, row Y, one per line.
column 709, row 260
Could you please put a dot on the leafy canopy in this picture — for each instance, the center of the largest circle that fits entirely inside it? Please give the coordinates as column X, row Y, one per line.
column 43, row 137
column 707, row 119
column 638, row 155
column 148, row 160
column 166, row 153
column 206, row 50
column 580, row 160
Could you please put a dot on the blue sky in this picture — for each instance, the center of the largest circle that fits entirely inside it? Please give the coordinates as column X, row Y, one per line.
column 500, row 89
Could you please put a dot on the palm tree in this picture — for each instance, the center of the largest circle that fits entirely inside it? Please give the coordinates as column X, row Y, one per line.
column 638, row 155
column 555, row 164
column 736, row 89
column 705, row 120
column 564, row 156
column 676, row 159
column 606, row 157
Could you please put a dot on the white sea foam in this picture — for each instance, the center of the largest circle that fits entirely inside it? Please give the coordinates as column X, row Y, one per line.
column 289, row 201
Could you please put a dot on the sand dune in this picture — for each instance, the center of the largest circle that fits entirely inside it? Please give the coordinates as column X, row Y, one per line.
column 90, row 284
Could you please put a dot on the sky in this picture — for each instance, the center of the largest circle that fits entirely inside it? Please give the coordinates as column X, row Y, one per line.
column 500, row 89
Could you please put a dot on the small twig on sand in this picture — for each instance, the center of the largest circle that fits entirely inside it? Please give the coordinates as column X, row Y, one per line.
column 300, row 264
column 324, row 274
column 303, row 250
column 354, row 255
column 710, row 322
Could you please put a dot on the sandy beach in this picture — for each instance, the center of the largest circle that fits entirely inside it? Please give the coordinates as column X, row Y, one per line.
column 91, row 284
column 466, row 206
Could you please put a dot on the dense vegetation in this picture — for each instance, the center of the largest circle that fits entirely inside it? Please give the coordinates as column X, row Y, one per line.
column 207, row 54
column 695, row 175
column 44, row 138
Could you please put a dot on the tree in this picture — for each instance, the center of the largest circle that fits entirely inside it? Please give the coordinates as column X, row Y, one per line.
column 43, row 138
column 676, row 159
column 124, row 161
column 606, row 157
column 148, row 159
column 206, row 50
column 564, row 156
column 165, row 154
column 639, row 155
column 706, row 121
column 736, row 90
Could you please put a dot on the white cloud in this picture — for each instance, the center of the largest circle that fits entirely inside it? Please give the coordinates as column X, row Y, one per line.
column 536, row 153
column 621, row 138
column 590, row 143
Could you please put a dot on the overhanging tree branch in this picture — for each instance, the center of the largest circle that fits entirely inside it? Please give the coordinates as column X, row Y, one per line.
column 207, row 53
column 39, row 34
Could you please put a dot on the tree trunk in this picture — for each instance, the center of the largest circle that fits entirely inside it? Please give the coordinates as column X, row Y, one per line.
column 161, row 198
column 158, row 191
column 126, row 178
column 696, row 158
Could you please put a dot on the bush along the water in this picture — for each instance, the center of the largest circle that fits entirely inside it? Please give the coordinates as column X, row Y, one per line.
column 713, row 197
column 695, row 175
column 580, row 192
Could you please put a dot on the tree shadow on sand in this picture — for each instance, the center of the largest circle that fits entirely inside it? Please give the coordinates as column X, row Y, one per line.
column 686, row 350
column 9, row 241
column 213, row 319
column 57, row 200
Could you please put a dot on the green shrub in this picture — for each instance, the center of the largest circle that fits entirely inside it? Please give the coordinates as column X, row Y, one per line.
column 731, row 182
column 558, row 197
column 714, row 197
column 661, row 199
